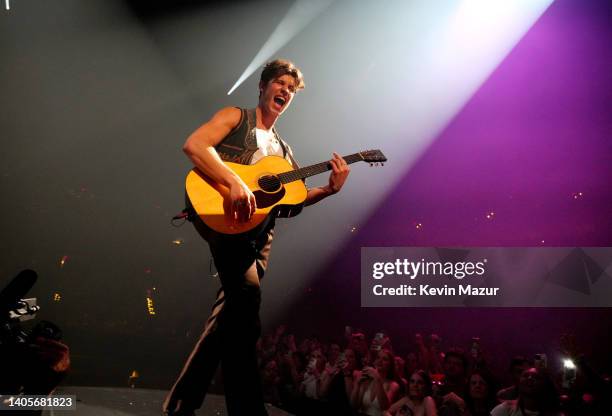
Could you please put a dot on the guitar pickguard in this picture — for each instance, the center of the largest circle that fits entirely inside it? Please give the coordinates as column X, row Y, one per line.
column 265, row 200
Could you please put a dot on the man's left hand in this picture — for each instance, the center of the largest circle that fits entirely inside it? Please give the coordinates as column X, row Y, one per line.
column 340, row 171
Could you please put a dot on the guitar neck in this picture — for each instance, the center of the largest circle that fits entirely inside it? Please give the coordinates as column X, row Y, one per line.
column 307, row 171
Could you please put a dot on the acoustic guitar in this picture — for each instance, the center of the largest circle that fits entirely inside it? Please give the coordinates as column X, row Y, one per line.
column 278, row 188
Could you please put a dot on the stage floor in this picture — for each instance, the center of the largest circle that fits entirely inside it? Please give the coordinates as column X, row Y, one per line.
column 113, row 401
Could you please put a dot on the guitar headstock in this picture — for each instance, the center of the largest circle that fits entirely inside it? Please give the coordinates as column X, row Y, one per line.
column 373, row 157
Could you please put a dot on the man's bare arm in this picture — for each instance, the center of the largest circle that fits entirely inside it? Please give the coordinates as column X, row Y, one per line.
column 200, row 148
column 340, row 171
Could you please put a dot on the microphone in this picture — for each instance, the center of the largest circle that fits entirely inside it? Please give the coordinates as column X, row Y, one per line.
column 16, row 290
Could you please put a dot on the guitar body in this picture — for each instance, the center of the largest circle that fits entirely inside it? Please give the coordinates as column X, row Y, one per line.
column 211, row 201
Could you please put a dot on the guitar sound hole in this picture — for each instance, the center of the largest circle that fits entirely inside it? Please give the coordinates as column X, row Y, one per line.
column 269, row 183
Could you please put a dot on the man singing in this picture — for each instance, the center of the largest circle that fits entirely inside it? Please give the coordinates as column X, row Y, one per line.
column 231, row 332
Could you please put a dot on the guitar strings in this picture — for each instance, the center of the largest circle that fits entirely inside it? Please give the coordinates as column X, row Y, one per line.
column 301, row 173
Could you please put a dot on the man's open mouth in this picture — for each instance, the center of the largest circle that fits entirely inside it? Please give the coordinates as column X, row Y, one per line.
column 279, row 100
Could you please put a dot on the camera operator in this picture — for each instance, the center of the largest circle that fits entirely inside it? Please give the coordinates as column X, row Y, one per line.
column 34, row 362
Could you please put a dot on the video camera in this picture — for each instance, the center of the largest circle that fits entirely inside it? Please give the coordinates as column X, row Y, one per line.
column 14, row 310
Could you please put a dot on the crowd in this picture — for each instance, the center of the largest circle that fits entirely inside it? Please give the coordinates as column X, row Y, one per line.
column 361, row 376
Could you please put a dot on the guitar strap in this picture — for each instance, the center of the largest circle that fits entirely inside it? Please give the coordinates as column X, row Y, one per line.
column 286, row 150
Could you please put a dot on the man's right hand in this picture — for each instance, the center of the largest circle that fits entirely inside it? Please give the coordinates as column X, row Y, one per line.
column 243, row 203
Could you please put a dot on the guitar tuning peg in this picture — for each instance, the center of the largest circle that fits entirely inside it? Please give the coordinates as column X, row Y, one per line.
column 371, row 164
column 382, row 163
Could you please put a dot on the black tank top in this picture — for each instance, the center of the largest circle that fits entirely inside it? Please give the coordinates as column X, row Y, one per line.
column 241, row 143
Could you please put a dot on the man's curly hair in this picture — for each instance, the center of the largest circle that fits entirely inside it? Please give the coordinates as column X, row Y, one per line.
column 278, row 68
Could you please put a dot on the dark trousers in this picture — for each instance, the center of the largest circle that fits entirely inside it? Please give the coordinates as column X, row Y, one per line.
column 232, row 330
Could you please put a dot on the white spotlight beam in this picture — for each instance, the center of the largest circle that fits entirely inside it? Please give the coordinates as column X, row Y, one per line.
column 299, row 15
column 415, row 66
